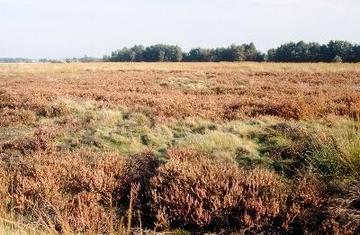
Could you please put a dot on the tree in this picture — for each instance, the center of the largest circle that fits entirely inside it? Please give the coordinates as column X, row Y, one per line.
column 340, row 48
column 337, row 59
column 355, row 54
column 200, row 55
column 161, row 56
column 161, row 52
column 251, row 52
column 138, row 53
column 314, row 52
column 271, row 55
column 237, row 53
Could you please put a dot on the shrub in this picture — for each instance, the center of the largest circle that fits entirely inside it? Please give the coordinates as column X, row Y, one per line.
column 192, row 191
column 10, row 117
column 307, row 208
column 41, row 141
column 55, row 109
column 80, row 191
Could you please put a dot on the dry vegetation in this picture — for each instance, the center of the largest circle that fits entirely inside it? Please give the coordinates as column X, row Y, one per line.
column 210, row 91
column 199, row 147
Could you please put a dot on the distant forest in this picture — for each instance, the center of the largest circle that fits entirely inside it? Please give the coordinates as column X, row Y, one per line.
column 334, row 51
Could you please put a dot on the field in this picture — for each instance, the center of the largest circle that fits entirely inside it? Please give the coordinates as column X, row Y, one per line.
column 180, row 148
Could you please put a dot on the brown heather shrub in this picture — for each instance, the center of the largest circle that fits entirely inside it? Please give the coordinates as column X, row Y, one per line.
column 315, row 207
column 345, row 208
column 192, row 191
column 289, row 109
column 11, row 117
column 348, row 104
column 26, row 100
column 304, row 211
column 80, row 192
column 4, row 183
column 24, row 109
column 41, row 141
column 87, row 192
column 53, row 109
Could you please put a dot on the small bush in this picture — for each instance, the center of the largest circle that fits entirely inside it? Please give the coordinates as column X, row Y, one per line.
column 192, row 191
column 12, row 117
column 41, row 141
column 307, row 208
column 80, row 192
column 55, row 109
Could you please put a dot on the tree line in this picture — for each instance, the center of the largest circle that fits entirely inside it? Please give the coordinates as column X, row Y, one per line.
column 162, row 53
column 334, row 51
column 15, row 60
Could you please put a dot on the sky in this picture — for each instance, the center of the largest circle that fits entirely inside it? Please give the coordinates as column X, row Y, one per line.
column 74, row 28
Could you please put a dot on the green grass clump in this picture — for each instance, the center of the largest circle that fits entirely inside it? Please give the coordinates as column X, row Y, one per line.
column 338, row 156
column 349, row 141
column 330, row 151
column 218, row 143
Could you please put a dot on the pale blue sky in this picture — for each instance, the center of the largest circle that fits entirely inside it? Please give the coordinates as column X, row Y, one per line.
column 67, row 28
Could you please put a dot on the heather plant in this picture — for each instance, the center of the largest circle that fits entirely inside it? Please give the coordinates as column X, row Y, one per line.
column 76, row 192
column 192, row 191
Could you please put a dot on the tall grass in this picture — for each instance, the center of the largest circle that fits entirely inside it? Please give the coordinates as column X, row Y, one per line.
column 350, row 145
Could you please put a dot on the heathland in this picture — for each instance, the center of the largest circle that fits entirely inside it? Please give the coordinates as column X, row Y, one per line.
column 180, row 147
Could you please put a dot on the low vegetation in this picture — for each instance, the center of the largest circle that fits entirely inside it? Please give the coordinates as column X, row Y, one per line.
column 190, row 148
